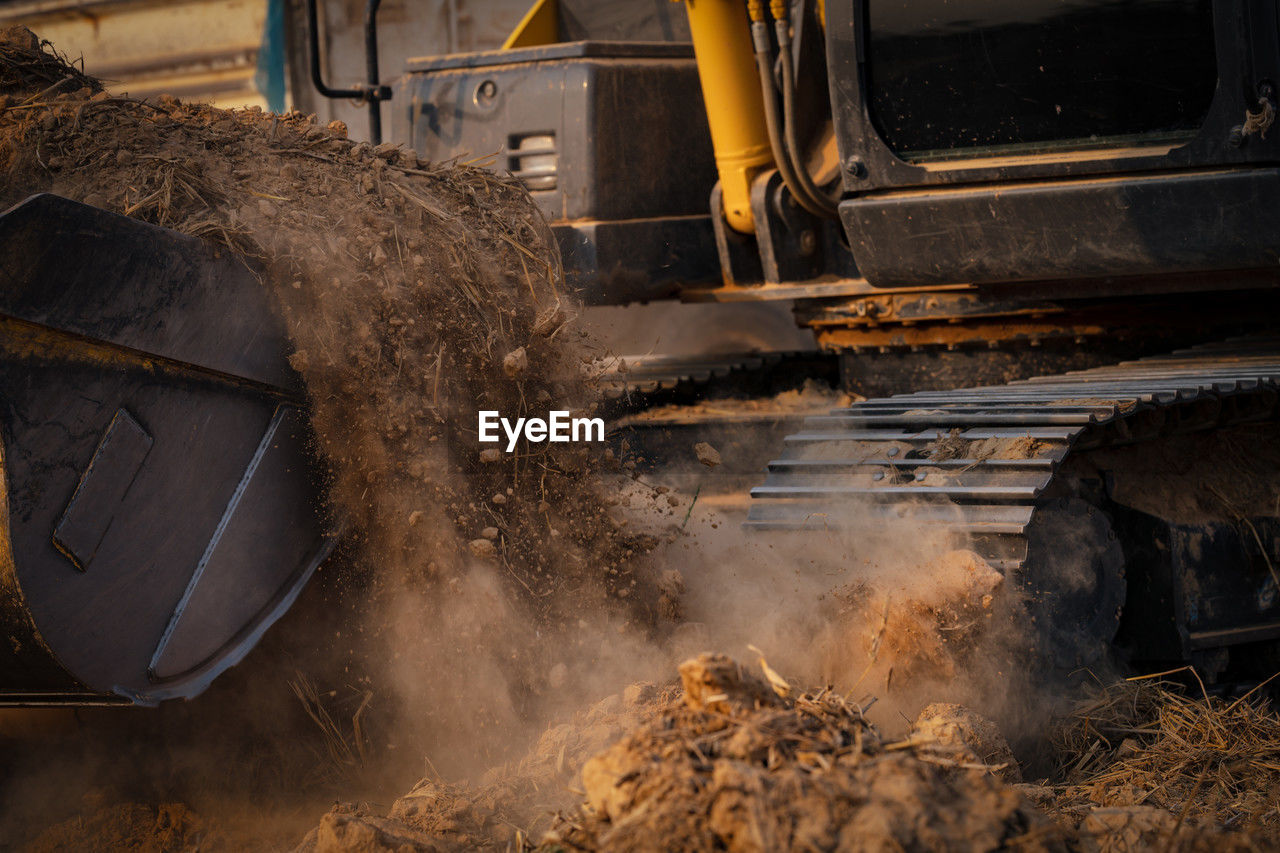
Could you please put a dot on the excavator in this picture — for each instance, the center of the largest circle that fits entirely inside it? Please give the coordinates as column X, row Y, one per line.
column 1041, row 239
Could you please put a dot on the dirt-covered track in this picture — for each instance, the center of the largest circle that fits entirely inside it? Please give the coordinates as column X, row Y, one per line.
column 1000, row 466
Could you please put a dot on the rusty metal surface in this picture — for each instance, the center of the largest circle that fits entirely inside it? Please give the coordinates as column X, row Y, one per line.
column 991, row 318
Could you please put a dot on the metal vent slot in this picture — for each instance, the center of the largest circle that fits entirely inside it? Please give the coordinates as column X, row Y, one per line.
column 533, row 158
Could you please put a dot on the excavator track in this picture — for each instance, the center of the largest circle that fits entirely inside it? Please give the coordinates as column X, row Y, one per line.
column 994, row 465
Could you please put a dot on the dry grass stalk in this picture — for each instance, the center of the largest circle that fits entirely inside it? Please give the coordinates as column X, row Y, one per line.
column 343, row 735
column 1212, row 761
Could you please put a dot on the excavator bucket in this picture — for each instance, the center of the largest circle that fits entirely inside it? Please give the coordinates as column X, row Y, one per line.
column 160, row 499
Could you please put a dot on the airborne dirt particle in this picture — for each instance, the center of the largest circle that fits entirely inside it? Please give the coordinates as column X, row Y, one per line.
column 515, row 362
column 707, row 454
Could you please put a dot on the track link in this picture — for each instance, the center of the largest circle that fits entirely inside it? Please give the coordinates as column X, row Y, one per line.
column 988, row 462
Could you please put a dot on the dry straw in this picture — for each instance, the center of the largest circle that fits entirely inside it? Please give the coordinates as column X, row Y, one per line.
column 1148, row 742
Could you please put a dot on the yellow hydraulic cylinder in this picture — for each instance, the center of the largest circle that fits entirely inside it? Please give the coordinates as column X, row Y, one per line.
column 731, row 91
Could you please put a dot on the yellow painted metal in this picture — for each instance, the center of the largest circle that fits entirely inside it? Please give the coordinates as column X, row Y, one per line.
column 540, row 25
column 735, row 112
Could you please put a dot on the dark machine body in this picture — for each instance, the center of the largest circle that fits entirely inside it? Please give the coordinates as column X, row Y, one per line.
column 1014, row 194
column 162, row 507
column 956, row 201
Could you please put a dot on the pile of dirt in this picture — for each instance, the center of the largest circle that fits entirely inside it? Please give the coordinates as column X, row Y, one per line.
column 735, row 758
column 743, row 764
column 729, row 759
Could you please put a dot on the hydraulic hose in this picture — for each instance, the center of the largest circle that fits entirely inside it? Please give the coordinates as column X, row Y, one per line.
column 782, row 158
column 825, row 204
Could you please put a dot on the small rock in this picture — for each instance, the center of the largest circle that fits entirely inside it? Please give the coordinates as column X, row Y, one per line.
column 490, row 454
column 717, row 682
column 963, row 736
column 1132, row 828
column 499, row 498
column 346, row 832
column 267, row 209
column 489, row 533
column 609, row 783
column 338, row 128
column 642, row 691
column 605, row 708
column 549, row 320
column 388, row 151
column 515, row 363
column 707, row 454
column 415, row 517
column 482, row 547
column 1041, row 796
column 19, row 37
column 671, row 595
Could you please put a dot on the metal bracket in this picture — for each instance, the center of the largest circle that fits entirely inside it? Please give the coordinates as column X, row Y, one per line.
column 373, row 93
